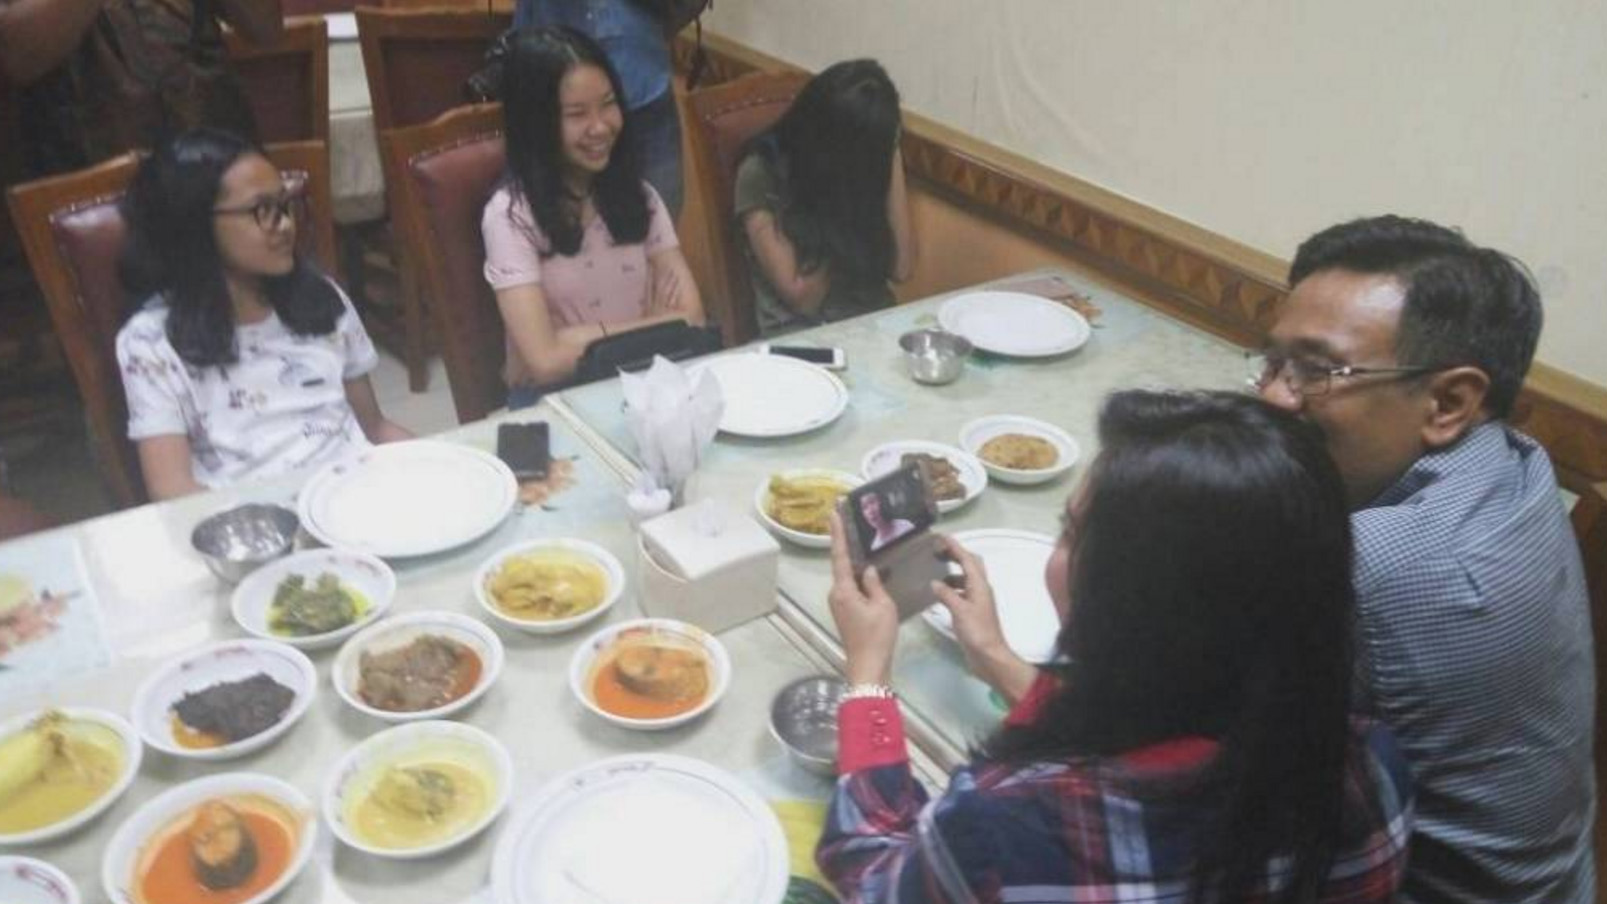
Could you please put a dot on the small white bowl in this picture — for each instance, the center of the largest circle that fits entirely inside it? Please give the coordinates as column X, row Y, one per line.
column 364, row 573
column 24, row 880
column 610, row 565
column 580, row 668
column 976, row 433
column 399, row 746
column 231, row 660
column 399, row 631
column 884, row 459
column 122, row 854
column 761, row 502
column 133, row 752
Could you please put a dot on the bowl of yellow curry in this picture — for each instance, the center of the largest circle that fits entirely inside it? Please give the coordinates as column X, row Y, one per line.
column 417, row 790
column 60, row 768
column 549, row 586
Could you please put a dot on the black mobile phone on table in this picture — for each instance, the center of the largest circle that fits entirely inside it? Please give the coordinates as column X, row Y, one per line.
column 525, row 449
column 888, row 523
column 829, row 358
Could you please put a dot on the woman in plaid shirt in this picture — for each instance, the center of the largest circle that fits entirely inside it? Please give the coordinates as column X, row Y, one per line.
column 1192, row 742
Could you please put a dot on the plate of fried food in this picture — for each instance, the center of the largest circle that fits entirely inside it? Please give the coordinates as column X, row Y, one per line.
column 1020, row 450
column 956, row 476
column 549, row 586
column 796, row 505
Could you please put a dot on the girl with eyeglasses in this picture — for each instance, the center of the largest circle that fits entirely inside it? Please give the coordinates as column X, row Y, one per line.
column 240, row 361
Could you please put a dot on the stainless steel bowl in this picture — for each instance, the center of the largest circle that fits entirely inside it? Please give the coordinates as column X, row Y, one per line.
column 803, row 717
column 934, row 356
column 236, row 542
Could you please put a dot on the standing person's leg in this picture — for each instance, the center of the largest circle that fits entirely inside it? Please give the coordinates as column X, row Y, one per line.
column 658, row 144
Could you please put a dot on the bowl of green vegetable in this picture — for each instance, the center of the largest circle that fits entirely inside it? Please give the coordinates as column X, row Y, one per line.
column 314, row 599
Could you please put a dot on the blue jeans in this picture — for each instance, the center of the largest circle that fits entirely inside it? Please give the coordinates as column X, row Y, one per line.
column 658, row 146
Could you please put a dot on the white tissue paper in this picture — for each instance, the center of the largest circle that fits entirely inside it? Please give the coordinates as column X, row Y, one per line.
column 673, row 418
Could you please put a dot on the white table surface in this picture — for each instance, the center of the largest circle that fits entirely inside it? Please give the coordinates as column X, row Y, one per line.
column 158, row 600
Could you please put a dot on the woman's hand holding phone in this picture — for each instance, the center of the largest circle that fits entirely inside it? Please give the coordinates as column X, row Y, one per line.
column 977, row 628
column 866, row 617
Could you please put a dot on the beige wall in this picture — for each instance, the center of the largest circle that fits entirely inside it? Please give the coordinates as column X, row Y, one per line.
column 1265, row 120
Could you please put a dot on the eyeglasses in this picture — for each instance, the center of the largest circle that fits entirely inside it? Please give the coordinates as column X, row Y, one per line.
column 1305, row 377
column 270, row 213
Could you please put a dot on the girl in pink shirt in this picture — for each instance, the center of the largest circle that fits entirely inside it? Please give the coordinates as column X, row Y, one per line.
column 578, row 246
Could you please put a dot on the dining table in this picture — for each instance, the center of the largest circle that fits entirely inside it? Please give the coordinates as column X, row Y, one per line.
column 156, row 600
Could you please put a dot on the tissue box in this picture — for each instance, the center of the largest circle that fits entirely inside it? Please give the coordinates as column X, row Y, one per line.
column 712, row 569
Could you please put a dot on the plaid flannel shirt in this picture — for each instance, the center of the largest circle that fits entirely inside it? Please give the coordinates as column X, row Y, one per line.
column 1079, row 832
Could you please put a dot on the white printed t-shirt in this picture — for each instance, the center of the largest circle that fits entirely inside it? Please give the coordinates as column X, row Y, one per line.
column 280, row 408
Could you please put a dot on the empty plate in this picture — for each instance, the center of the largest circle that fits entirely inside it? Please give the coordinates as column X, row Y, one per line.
column 408, row 499
column 770, row 396
column 1014, row 324
column 1015, row 560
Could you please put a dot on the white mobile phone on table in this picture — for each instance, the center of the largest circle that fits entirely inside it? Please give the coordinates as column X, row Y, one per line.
column 829, row 358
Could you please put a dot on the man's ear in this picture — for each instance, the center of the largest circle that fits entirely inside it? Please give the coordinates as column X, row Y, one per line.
column 1456, row 398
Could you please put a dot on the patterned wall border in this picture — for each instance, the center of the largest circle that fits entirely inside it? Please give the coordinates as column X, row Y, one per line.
column 1200, row 277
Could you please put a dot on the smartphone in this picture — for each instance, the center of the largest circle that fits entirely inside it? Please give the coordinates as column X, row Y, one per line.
column 888, row 523
column 525, row 449
column 829, row 358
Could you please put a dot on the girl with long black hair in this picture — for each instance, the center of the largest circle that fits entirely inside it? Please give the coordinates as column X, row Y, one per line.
column 822, row 204
column 578, row 246
column 1192, row 741
column 239, row 360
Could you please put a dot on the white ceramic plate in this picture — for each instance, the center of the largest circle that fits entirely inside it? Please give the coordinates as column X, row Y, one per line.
column 24, row 880
column 885, row 459
column 604, row 559
column 639, row 828
column 399, row 631
column 231, row 660
column 133, row 752
column 415, row 744
column 408, row 499
column 1015, row 560
column 122, row 854
column 580, row 668
column 1015, row 324
column 770, row 396
column 974, row 435
column 368, row 575
column 761, row 502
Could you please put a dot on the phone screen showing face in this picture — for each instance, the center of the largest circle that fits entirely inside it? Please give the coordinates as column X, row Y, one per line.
column 888, row 524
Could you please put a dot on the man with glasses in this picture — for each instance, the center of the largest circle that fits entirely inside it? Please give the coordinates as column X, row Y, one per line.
column 1407, row 344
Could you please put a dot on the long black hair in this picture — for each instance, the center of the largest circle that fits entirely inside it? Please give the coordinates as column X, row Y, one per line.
column 536, row 61
column 172, row 251
column 832, row 153
column 1211, row 596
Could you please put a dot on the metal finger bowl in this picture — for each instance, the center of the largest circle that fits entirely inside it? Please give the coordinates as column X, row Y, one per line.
column 803, row 717
column 934, row 356
column 236, row 542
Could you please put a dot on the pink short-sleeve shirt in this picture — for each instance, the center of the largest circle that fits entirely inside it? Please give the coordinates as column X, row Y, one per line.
column 602, row 283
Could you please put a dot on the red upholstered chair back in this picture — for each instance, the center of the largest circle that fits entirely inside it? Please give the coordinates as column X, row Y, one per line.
column 725, row 118
column 287, row 82
column 73, row 232
column 447, row 170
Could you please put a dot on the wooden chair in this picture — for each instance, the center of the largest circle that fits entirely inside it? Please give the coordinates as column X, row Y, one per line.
column 416, row 61
column 447, row 171
column 724, row 118
column 73, row 233
column 286, row 83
